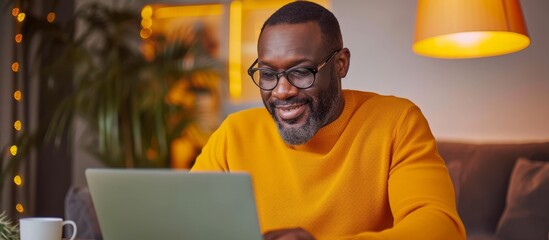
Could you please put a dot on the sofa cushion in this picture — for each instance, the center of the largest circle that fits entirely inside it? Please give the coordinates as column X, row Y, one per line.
column 526, row 214
column 79, row 208
column 484, row 178
column 454, row 169
column 483, row 237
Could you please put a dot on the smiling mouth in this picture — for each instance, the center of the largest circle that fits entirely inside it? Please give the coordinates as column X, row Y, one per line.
column 290, row 113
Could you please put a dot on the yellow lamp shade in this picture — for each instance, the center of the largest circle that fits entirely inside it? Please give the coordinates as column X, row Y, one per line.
column 469, row 28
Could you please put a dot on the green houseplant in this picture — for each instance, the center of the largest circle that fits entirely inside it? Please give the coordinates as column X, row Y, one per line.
column 8, row 229
column 122, row 96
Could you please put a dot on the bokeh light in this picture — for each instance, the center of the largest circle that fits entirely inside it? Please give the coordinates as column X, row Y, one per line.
column 18, row 180
column 17, row 95
column 147, row 12
column 21, row 17
column 18, row 38
column 15, row 12
column 15, row 67
column 17, row 125
column 19, row 208
column 51, row 17
column 146, row 23
column 13, row 150
column 145, row 33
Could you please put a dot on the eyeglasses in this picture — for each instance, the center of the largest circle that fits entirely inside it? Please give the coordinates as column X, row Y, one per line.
column 299, row 77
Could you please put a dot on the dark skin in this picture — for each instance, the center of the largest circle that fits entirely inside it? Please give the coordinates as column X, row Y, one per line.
column 284, row 46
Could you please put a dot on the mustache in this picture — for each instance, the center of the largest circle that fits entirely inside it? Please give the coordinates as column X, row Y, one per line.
column 289, row 101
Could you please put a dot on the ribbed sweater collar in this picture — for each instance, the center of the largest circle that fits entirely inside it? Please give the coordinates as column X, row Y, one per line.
column 328, row 135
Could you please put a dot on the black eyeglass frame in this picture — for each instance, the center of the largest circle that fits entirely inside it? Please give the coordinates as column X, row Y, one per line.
column 313, row 70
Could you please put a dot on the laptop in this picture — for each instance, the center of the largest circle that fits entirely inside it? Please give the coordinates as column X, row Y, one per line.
column 171, row 204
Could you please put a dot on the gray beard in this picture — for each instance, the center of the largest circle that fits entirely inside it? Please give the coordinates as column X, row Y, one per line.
column 320, row 115
column 299, row 135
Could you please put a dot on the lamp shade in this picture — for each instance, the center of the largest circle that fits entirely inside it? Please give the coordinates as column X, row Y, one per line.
column 469, row 28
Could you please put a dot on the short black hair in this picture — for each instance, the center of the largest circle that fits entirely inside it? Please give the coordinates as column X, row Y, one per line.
column 302, row 12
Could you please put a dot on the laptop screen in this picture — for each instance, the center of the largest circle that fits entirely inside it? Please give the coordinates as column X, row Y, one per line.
column 168, row 204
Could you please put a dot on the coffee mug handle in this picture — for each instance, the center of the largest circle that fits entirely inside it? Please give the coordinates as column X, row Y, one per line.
column 73, row 228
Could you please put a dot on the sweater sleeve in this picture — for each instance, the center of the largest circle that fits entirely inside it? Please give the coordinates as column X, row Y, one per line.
column 421, row 195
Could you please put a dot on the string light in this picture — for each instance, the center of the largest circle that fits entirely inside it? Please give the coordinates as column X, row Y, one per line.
column 18, row 180
column 17, row 95
column 15, row 12
column 51, row 17
column 19, row 208
column 18, row 38
column 17, row 125
column 15, row 66
column 13, row 150
column 21, row 17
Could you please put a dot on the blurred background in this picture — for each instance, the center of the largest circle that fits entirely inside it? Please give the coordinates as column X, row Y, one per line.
column 86, row 83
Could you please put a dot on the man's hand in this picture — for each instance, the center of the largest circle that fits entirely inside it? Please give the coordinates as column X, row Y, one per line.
column 288, row 234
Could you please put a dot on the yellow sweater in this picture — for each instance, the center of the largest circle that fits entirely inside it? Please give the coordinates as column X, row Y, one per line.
column 374, row 173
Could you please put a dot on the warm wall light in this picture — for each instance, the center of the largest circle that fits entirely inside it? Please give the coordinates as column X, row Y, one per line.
column 469, row 28
column 189, row 11
column 235, row 48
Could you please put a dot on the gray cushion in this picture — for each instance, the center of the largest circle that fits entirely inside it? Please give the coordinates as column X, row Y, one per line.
column 484, row 179
column 79, row 208
column 526, row 215
column 454, row 169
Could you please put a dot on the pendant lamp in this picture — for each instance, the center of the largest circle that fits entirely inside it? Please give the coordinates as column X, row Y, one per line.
column 469, row 28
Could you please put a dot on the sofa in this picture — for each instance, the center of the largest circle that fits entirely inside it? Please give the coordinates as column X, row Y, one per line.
column 502, row 190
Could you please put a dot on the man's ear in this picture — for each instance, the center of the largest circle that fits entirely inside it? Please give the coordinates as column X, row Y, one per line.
column 343, row 59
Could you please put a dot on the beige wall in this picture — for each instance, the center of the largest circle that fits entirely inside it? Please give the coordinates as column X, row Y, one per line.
column 504, row 98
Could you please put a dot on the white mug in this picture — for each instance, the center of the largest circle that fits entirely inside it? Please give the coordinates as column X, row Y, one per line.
column 44, row 228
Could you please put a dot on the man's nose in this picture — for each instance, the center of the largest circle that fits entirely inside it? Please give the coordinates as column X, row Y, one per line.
column 284, row 89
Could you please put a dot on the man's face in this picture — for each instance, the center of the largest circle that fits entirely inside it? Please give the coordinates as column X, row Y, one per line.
column 299, row 113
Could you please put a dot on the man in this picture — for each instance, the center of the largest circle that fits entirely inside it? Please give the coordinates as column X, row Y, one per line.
column 329, row 163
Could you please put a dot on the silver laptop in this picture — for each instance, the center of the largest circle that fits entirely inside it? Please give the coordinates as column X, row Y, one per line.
column 170, row 204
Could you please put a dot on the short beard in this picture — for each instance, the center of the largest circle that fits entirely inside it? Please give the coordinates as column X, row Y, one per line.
column 299, row 135
column 321, row 111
